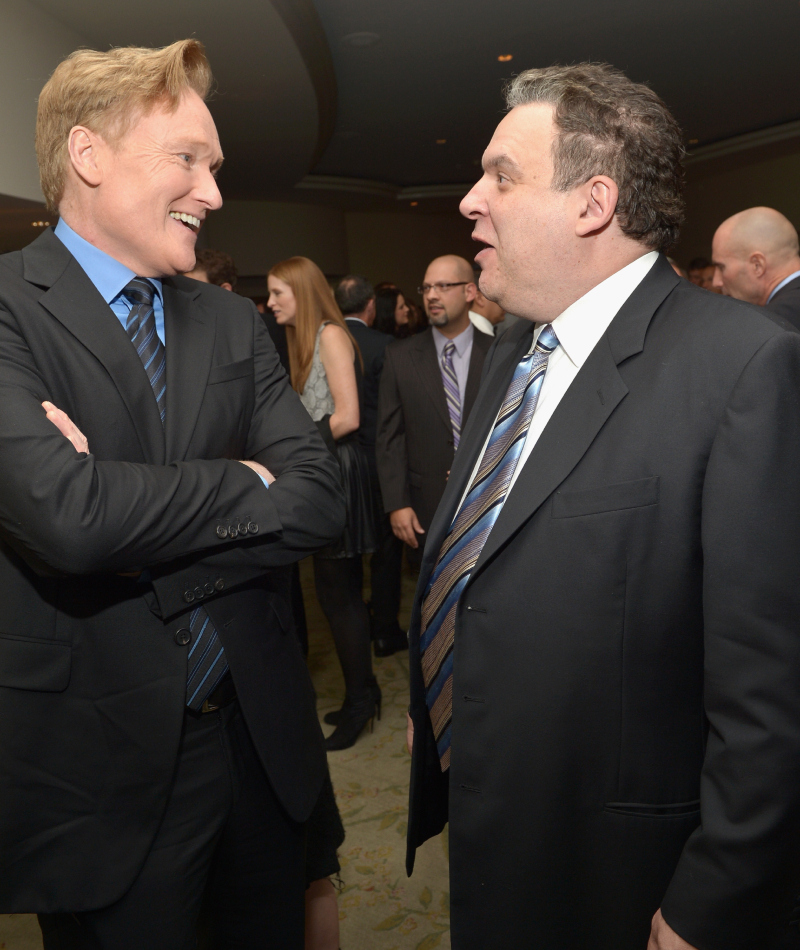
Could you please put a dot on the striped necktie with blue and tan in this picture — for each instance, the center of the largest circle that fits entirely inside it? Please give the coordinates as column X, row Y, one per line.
column 471, row 526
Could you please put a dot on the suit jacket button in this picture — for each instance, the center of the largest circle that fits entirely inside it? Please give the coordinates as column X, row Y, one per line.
column 252, row 527
column 188, row 596
column 219, row 583
column 208, row 588
column 243, row 528
column 222, row 532
column 183, row 636
column 233, row 532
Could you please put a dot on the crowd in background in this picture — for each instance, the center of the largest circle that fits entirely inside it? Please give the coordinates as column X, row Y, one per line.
column 390, row 384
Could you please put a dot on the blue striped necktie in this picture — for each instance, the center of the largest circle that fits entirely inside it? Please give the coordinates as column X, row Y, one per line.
column 451, row 391
column 464, row 542
column 207, row 662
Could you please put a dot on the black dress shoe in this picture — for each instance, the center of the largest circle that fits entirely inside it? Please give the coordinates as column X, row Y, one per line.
column 388, row 643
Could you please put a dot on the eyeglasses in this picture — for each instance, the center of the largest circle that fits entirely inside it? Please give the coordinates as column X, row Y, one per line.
column 440, row 286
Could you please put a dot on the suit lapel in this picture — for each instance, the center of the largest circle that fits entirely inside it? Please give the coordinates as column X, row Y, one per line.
column 74, row 301
column 594, row 394
column 480, row 346
column 430, row 375
column 190, row 330
column 474, row 435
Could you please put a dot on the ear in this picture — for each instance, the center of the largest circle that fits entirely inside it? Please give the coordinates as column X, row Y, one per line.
column 597, row 205
column 84, row 148
column 226, row 286
column 758, row 263
column 471, row 292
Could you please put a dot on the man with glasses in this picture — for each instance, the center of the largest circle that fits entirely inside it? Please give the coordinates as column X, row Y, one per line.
column 427, row 390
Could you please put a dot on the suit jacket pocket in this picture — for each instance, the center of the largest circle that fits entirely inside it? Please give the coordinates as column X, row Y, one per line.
column 228, row 371
column 640, row 810
column 592, row 501
column 32, row 663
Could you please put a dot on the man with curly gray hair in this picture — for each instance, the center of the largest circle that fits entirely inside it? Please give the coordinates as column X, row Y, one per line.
column 604, row 651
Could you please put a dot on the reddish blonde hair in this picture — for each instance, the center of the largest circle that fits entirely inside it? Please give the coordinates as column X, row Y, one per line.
column 107, row 92
column 315, row 305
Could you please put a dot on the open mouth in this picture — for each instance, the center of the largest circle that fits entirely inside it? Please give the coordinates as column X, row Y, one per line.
column 187, row 220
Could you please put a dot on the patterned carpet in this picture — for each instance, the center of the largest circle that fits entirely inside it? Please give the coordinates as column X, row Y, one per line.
column 379, row 907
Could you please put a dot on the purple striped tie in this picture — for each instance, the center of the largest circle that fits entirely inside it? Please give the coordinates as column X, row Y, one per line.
column 207, row 661
column 468, row 533
column 451, row 390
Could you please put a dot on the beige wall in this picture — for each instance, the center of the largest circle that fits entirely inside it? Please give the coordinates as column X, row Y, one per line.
column 719, row 188
column 379, row 245
column 258, row 234
column 398, row 247
column 32, row 44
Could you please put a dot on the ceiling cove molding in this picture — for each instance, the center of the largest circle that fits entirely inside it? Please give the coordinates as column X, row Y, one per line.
column 381, row 189
column 743, row 143
column 303, row 22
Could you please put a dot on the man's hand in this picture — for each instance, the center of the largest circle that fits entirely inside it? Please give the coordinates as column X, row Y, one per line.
column 409, row 732
column 663, row 937
column 260, row 470
column 404, row 523
column 66, row 427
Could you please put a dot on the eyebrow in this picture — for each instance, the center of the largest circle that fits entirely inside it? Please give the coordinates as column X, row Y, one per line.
column 503, row 161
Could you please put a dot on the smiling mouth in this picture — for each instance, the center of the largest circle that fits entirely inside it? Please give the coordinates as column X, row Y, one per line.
column 188, row 220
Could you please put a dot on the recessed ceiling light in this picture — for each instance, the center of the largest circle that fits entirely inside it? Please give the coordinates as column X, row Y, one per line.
column 505, row 58
column 693, row 141
column 361, row 39
column 414, row 204
column 441, row 141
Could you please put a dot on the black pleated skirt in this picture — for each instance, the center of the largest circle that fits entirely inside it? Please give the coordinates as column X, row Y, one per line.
column 360, row 534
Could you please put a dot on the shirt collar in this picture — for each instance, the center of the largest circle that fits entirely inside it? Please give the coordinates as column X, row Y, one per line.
column 107, row 274
column 783, row 283
column 462, row 341
column 581, row 325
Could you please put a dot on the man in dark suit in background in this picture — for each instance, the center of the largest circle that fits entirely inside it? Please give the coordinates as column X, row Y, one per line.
column 158, row 731
column 605, row 648
column 757, row 259
column 356, row 299
column 427, row 391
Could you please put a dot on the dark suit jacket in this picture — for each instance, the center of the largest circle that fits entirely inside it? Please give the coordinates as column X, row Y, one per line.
column 414, row 448
column 92, row 676
column 786, row 303
column 372, row 344
column 627, row 649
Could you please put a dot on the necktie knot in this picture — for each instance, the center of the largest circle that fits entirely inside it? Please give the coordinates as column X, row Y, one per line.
column 547, row 341
column 449, row 350
column 140, row 291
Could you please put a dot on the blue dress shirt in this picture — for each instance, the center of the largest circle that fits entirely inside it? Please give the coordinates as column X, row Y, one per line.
column 461, row 357
column 109, row 276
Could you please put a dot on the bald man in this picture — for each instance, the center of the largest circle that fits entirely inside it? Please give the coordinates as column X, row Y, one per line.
column 756, row 258
column 427, row 390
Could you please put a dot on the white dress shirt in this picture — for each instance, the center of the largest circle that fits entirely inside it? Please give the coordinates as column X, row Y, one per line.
column 781, row 285
column 481, row 323
column 578, row 329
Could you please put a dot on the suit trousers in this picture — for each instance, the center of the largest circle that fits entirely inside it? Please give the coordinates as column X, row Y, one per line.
column 224, row 843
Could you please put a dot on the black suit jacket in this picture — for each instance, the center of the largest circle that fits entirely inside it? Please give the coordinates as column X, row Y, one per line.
column 92, row 675
column 626, row 711
column 372, row 344
column 414, row 449
column 786, row 303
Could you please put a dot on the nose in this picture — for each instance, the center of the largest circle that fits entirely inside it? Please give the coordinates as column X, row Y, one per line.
column 716, row 281
column 473, row 204
column 208, row 192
